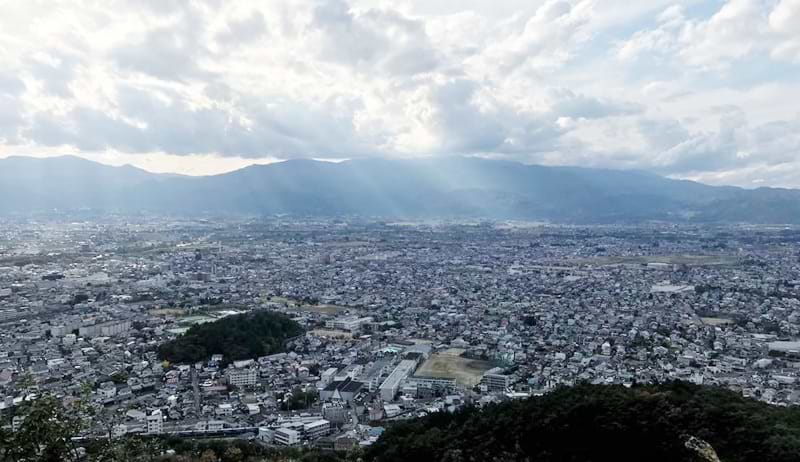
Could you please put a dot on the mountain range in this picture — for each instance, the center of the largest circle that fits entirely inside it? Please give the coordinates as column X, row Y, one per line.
column 453, row 187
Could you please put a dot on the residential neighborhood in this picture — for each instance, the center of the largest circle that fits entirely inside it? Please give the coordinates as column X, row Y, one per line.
column 400, row 320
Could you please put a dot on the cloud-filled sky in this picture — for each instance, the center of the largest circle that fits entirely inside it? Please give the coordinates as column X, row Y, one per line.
column 707, row 90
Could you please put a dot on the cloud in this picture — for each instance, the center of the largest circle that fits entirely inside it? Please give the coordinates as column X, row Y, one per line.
column 783, row 21
column 566, row 103
column 10, row 85
column 173, row 51
column 373, row 39
column 739, row 29
column 240, row 32
column 698, row 88
column 55, row 71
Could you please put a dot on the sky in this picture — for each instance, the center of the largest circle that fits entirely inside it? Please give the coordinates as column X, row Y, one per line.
column 705, row 90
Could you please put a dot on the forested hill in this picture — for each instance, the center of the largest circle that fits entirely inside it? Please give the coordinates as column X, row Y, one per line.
column 243, row 336
column 591, row 423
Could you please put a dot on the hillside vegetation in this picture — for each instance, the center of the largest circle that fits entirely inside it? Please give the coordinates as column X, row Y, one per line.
column 586, row 423
column 243, row 336
column 602, row 423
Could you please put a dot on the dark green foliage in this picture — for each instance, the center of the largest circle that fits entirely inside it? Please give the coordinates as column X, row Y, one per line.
column 300, row 400
column 602, row 423
column 78, row 299
column 195, row 450
column 44, row 435
column 119, row 377
column 129, row 449
column 243, row 336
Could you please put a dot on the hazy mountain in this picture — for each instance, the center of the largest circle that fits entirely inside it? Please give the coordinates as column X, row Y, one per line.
column 446, row 188
column 64, row 183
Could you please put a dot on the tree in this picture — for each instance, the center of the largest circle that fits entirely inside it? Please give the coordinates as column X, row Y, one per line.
column 45, row 432
column 209, row 456
column 233, row 454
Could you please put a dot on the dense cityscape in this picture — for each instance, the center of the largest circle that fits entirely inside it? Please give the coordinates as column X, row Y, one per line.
column 399, row 320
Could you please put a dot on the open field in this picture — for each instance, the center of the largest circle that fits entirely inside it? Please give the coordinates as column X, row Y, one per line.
column 449, row 364
column 176, row 312
column 294, row 304
column 322, row 309
column 330, row 333
column 717, row 321
column 690, row 260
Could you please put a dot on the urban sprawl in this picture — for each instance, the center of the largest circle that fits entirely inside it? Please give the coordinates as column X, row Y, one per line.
column 400, row 319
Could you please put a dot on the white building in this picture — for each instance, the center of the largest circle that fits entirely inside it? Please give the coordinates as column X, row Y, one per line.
column 348, row 323
column 391, row 385
column 155, row 423
column 392, row 410
column 334, row 413
column 435, row 384
column 316, row 429
column 108, row 329
column 495, row 380
column 244, row 377
column 286, row 437
column 328, row 375
column 215, row 425
column 224, row 409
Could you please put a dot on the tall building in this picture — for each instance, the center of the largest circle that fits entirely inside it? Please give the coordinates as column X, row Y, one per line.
column 391, row 385
column 495, row 380
column 155, row 423
column 335, row 413
column 348, row 323
column 243, row 377
column 286, row 437
column 316, row 429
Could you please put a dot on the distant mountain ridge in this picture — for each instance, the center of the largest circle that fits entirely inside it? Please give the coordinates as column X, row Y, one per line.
column 421, row 188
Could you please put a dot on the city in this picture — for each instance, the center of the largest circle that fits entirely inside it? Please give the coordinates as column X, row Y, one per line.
column 399, row 319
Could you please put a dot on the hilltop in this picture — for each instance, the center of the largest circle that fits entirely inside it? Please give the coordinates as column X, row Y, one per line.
column 237, row 337
column 594, row 423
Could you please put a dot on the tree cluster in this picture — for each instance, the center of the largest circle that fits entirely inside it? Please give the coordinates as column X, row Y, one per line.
column 601, row 423
column 243, row 336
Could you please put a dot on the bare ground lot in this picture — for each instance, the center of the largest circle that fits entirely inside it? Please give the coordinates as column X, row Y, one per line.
column 176, row 312
column 689, row 260
column 450, row 365
column 330, row 333
column 299, row 306
column 717, row 321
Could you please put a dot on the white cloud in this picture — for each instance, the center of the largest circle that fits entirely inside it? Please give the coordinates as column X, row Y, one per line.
column 175, row 84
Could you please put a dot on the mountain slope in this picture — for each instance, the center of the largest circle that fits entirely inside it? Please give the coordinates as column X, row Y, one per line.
column 603, row 423
column 423, row 188
column 32, row 184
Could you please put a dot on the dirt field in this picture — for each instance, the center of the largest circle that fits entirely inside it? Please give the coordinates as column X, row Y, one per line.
column 717, row 321
column 331, row 333
column 449, row 364
column 168, row 312
column 294, row 304
column 689, row 260
column 322, row 309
